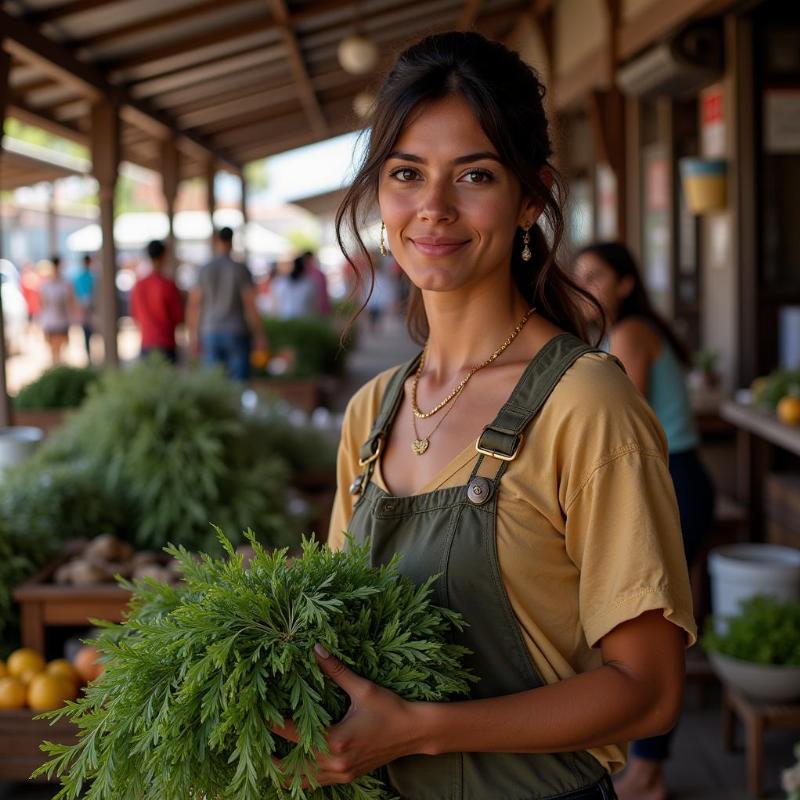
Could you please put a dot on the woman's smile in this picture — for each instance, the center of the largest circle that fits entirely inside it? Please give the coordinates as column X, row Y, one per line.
column 437, row 246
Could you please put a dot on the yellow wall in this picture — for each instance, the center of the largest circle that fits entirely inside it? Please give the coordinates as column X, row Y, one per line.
column 630, row 8
column 579, row 31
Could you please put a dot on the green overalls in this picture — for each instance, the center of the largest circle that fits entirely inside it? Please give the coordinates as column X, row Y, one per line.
column 452, row 532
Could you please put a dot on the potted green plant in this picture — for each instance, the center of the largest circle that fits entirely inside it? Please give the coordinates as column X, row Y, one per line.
column 45, row 402
column 758, row 650
column 305, row 357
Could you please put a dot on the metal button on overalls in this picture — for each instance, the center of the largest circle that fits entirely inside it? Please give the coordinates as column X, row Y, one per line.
column 479, row 490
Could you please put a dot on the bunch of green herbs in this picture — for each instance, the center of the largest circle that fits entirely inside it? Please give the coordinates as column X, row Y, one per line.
column 765, row 631
column 195, row 677
column 60, row 386
column 171, row 450
column 314, row 343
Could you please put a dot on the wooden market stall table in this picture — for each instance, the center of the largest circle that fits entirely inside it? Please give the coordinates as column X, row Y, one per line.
column 756, row 717
column 759, row 432
column 44, row 604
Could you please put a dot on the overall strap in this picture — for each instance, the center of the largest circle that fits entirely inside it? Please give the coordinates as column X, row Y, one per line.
column 503, row 438
column 392, row 397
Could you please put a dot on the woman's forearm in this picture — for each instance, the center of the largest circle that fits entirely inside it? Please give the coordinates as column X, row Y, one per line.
column 594, row 708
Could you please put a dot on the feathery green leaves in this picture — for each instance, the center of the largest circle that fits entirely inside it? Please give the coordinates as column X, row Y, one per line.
column 196, row 676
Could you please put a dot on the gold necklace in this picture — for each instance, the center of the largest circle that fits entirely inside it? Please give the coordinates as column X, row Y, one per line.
column 418, row 413
column 420, row 444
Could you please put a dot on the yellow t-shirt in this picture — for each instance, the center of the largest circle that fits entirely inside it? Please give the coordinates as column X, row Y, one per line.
column 588, row 534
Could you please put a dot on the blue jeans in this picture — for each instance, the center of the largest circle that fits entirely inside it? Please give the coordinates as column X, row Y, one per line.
column 232, row 350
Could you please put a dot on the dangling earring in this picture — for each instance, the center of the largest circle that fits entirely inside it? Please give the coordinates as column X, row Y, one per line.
column 526, row 250
column 384, row 251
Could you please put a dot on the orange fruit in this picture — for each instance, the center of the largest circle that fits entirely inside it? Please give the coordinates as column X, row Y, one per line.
column 49, row 691
column 87, row 663
column 259, row 359
column 12, row 693
column 3, row 670
column 64, row 669
column 789, row 410
column 24, row 661
column 27, row 676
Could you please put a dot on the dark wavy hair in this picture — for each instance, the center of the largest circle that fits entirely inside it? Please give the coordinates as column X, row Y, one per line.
column 505, row 94
column 619, row 258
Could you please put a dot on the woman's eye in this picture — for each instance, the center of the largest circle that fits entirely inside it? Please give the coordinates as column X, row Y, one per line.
column 404, row 174
column 478, row 176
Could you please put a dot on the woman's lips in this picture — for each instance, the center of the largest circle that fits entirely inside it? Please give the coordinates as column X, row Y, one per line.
column 442, row 247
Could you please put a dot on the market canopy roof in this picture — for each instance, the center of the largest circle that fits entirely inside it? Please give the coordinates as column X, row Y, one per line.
column 238, row 79
column 26, row 165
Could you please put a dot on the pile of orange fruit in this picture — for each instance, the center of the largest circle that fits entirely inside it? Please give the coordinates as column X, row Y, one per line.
column 28, row 681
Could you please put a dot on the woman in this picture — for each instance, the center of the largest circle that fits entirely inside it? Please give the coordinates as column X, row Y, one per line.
column 57, row 308
column 655, row 360
column 559, row 540
column 294, row 292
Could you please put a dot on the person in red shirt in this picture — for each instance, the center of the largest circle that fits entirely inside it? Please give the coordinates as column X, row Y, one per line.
column 157, row 307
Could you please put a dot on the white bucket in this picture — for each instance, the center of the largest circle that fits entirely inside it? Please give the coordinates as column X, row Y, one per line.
column 740, row 571
column 17, row 443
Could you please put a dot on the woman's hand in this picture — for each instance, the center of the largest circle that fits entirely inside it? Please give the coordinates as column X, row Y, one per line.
column 378, row 727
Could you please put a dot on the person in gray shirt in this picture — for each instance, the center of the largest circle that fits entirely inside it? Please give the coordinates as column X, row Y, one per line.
column 222, row 316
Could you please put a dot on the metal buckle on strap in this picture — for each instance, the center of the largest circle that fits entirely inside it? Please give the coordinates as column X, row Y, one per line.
column 500, row 456
column 362, row 462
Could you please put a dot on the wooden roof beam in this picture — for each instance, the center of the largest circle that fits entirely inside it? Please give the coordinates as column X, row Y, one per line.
column 195, row 42
column 305, row 87
column 208, row 7
column 24, row 41
column 19, row 109
column 65, row 10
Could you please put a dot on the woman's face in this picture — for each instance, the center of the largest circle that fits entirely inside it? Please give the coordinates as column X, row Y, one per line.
column 450, row 207
column 595, row 276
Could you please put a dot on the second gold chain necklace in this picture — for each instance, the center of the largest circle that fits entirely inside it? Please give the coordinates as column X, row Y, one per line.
column 420, row 444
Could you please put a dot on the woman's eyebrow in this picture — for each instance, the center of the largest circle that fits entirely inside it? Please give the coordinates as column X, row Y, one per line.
column 466, row 159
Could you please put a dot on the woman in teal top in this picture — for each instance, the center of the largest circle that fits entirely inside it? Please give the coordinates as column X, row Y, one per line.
column 655, row 360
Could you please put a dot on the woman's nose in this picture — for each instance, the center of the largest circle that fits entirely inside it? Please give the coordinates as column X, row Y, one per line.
column 436, row 203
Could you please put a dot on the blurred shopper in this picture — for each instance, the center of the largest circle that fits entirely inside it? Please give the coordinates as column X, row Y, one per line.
column 30, row 283
column 223, row 318
column 295, row 293
column 382, row 297
column 84, row 288
column 57, row 307
column 157, row 307
column 320, row 280
column 655, row 360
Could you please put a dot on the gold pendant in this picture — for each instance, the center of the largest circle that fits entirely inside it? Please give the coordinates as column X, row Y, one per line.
column 420, row 446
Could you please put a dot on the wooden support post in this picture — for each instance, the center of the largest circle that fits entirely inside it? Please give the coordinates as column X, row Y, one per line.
column 170, row 177
column 52, row 221
column 5, row 404
column 243, row 183
column 105, row 167
column 211, row 194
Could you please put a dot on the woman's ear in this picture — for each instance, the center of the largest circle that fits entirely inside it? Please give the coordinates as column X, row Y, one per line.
column 625, row 287
column 532, row 208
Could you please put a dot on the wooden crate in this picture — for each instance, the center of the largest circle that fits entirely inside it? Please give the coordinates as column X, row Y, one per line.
column 20, row 737
column 305, row 394
column 44, row 604
column 48, row 419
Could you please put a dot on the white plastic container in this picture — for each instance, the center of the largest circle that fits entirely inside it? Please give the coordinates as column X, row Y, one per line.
column 17, row 443
column 740, row 571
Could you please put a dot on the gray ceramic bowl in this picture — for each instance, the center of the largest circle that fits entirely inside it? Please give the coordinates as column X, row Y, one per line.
column 759, row 681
